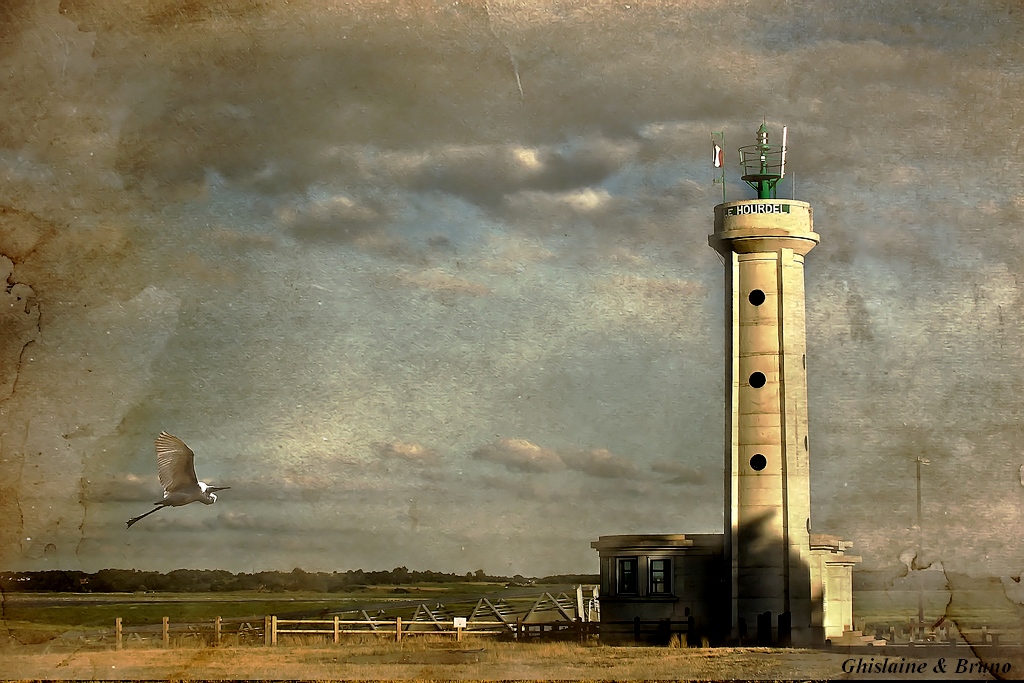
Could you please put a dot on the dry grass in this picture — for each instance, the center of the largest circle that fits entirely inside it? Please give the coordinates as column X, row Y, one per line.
column 422, row 658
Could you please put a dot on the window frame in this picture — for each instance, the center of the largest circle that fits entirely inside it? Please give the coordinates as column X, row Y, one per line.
column 621, row 588
column 666, row 575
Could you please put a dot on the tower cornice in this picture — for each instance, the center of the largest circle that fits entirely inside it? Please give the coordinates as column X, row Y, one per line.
column 758, row 225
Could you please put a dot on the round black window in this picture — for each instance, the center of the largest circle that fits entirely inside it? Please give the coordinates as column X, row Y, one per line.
column 756, row 297
column 757, row 380
column 758, row 462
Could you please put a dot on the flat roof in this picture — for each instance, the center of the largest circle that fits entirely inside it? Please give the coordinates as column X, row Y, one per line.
column 658, row 541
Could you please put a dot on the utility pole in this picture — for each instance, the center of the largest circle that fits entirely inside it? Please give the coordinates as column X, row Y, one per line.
column 920, row 588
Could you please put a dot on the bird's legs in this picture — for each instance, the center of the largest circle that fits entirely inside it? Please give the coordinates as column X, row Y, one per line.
column 145, row 514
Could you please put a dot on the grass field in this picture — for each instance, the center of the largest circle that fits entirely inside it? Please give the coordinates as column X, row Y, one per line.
column 34, row 648
column 968, row 608
column 421, row 659
column 37, row 617
column 58, row 612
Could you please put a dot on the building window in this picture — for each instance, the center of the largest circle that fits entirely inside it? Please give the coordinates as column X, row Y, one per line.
column 661, row 576
column 627, row 575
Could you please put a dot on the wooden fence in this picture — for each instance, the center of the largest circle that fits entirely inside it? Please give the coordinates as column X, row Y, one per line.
column 389, row 627
column 272, row 627
column 244, row 630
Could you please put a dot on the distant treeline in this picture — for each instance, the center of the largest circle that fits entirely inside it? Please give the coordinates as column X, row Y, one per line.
column 900, row 578
column 216, row 580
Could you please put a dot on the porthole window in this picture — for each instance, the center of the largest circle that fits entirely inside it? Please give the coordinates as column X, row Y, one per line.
column 757, row 380
column 756, row 297
column 758, row 462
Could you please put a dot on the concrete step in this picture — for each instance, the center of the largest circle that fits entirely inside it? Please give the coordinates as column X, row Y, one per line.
column 857, row 638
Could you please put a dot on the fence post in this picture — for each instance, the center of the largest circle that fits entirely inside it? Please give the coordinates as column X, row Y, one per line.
column 335, row 630
column 273, row 630
column 266, row 631
column 519, row 628
column 458, row 634
column 117, row 633
column 398, row 629
column 216, row 632
column 164, row 634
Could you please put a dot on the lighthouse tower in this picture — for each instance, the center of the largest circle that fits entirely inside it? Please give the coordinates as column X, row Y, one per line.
column 767, row 549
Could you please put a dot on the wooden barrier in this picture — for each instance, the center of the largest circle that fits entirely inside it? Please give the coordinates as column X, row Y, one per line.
column 336, row 626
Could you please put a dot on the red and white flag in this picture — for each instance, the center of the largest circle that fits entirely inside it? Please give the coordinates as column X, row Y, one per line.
column 719, row 157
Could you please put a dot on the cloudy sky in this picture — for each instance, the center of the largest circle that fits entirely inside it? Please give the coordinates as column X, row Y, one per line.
column 428, row 284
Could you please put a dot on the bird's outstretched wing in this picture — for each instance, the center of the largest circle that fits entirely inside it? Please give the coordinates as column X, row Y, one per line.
column 175, row 463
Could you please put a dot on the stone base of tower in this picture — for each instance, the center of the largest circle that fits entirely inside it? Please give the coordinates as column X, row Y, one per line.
column 682, row 579
column 655, row 586
column 832, row 585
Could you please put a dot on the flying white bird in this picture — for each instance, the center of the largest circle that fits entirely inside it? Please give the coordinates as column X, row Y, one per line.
column 176, row 468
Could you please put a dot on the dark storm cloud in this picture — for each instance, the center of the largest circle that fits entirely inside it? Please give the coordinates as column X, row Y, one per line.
column 261, row 105
column 221, row 91
column 938, row 24
column 330, row 217
column 486, row 175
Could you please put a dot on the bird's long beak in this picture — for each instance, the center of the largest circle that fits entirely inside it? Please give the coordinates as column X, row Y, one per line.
column 217, row 488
